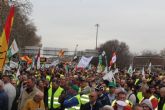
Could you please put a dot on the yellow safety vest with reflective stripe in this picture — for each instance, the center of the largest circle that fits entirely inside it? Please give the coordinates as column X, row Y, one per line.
column 84, row 98
column 77, row 107
column 137, row 80
column 126, row 101
column 140, row 96
column 56, row 95
column 164, row 107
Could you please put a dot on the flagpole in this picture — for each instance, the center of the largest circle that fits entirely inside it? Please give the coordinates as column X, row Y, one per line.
column 97, row 26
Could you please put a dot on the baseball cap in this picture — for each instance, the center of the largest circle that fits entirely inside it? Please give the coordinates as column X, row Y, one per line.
column 112, row 84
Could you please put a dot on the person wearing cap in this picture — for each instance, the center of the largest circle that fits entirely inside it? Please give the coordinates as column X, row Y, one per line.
column 85, row 92
column 103, row 98
column 147, row 105
column 73, row 103
column 111, row 94
column 54, row 93
column 161, row 104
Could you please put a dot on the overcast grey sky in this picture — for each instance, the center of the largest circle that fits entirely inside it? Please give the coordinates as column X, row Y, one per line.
column 65, row 23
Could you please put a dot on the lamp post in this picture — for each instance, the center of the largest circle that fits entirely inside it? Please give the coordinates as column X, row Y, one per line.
column 97, row 27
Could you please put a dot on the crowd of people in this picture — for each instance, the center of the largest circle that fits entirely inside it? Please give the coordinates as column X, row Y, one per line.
column 54, row 88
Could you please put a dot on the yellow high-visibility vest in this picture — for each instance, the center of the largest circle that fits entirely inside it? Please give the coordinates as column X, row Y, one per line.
column 56, row 96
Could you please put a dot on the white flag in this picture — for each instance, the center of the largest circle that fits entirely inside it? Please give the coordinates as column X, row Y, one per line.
column 143, row 72
column 149, row 68
column 13, row 64
column 103, row 53
column 105, row 70
column 109, row 76
column 13, row 49
column 18, row 72
column 84, row 62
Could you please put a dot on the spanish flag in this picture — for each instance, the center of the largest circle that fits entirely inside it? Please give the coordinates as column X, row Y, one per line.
column 4, row 39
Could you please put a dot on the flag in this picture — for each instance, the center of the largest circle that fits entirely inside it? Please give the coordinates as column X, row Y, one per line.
column 113, row 59
column 4, row 39
column 61, row 53
column 130, row 70
column 26, row 59
column 143, row 72
column 103, row 53
column 84, row 62
column 100, row 60
column 38, row 60
column 149, row 68
column 13, row 49
column 13, row 64
column 109, row 76
column 18, row 72
column 99, row 68
column 105, row 70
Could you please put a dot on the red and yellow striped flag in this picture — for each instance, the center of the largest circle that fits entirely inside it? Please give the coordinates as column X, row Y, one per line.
column 4, row 39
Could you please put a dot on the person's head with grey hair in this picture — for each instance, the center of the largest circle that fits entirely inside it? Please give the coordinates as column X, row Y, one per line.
column 1, row 85
column 107, row 107
column 38, row 96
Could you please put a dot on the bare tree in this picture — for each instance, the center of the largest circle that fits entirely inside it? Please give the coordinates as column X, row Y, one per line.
column 124, row 57
column 149, row 53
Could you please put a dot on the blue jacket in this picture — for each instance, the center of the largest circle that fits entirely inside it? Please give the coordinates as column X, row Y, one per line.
column 3, row 100
column 70, row 102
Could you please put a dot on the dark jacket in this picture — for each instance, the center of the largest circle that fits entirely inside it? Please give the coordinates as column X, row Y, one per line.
column 87, row 106
column 3, row 100
column 104, row 100
column 161, row 103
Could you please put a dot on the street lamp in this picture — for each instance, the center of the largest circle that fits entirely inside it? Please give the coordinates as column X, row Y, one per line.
column 97, row 27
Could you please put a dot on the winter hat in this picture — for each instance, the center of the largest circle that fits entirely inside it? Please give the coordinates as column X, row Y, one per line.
column 148, row 103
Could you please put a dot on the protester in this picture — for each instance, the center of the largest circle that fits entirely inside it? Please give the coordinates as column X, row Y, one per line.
column 93, row 104
column 3, row 97
column 35, row 103
column 147, row 105
column 137, row 107
column 10, row 90
column 28, row 93
column 102, row 98
column 161, row 104
column 54, row 93
column 70, row 88
column 74, row 102
column 121, row 101
column 111, row 94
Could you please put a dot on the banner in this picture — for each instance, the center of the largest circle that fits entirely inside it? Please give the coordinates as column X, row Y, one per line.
column 84, row 62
